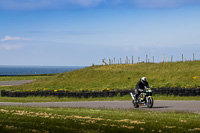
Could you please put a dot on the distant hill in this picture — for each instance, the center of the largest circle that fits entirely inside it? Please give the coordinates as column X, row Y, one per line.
column 123, row 76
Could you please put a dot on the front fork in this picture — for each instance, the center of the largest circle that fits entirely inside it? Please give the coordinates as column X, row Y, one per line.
column 147, row 99
column 133, row 96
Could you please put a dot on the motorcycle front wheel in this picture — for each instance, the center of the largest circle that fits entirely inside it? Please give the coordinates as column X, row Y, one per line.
column 150, row 102
column 135, row 104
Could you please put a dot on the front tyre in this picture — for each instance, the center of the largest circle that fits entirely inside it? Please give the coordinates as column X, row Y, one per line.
column 150, row 102
column 135, row 104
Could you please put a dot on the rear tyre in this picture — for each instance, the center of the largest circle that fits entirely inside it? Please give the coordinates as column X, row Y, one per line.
column 150, row 102
column 135, row 104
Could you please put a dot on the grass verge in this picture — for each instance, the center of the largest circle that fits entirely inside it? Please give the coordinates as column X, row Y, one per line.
column 26, row 77
column 123, row 76
column 30, row 119
column 66, row 99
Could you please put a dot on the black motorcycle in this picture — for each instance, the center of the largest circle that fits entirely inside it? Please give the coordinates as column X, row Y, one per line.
column 145, row 98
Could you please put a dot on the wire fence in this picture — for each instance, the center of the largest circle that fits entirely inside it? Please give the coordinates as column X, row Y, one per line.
column 148, row 60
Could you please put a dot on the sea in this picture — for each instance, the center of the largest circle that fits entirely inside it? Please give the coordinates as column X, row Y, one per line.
column 30, row 70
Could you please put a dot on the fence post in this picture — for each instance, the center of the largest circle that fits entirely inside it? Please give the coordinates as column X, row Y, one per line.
column 120, row 61
column 171, row 58
column 182, row 57
column 104, row 62
column 132, row 59
column 114, row 60
column 163, row 58
column 193, row 56
column 153, row 59
column 146, row 58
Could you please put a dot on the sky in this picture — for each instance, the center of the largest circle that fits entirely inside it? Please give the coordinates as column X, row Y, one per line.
column 83, row 32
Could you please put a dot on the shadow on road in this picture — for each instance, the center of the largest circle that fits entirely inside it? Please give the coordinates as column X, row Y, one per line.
column 158, row 107
column 162, row 107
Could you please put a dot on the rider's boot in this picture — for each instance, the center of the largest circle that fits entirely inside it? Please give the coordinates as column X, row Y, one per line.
column 136, row 98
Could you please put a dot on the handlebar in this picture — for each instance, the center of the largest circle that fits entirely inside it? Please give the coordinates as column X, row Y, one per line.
column 142, row 90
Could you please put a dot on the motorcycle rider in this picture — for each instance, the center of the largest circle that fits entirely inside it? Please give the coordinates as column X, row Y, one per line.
column 141, row 85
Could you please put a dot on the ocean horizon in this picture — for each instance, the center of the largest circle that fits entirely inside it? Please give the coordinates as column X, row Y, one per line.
column 29, row 70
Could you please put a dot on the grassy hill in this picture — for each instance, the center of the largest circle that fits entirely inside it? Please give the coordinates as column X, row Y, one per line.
column 123, row 76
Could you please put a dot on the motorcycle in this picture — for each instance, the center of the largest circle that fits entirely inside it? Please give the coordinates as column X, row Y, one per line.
column 145, row 98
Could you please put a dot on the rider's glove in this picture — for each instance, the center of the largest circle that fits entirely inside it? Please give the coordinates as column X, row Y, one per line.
column 141, row 90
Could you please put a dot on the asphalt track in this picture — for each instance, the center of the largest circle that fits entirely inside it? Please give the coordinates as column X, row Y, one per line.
column 183, row 106
column 17, row 82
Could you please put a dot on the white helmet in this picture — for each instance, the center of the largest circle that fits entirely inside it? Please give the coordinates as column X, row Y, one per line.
column 143, row 80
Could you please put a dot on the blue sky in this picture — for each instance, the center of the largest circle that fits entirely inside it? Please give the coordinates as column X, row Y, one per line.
column 82, row 32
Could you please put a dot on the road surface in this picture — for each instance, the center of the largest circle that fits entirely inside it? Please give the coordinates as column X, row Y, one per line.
column 17, row 82
column 185, row 106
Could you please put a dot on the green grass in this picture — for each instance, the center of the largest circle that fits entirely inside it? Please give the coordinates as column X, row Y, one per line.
column 31, row 119
column 12, row 78
column 66, row 99
column 176, row 74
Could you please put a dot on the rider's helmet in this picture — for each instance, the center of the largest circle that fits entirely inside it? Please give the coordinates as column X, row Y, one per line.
column 143, row 80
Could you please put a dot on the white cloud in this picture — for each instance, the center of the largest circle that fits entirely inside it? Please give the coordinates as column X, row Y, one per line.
column 45, row 4
column 84, row 2
column 164, row 3
column 11, row 46
column 57, row 4
column 8, row 38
